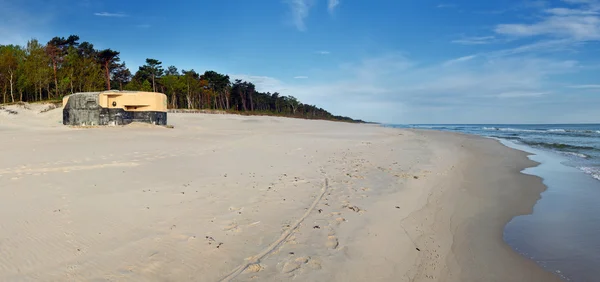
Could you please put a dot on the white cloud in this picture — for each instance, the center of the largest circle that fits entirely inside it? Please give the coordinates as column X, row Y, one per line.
column 110, row 15
column 143, row 26
column 555, row 29
column 581, row 23
column 332, row 4
column 586, row 86
column 323, row 52
column 300, row 77
column 300, row 10
column 460, row 60
column 542, row 46
column 478, row 40
column 570, row 12
column 521, row 94
column 395, row 88
column 262, row 83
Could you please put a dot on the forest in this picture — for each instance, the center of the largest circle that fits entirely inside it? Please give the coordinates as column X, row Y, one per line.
column 48, row 72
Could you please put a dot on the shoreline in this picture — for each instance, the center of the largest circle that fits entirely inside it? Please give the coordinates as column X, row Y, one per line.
column 215, row 196
column 506, row 184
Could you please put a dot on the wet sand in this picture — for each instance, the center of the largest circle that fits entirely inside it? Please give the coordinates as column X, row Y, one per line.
column 224, row 197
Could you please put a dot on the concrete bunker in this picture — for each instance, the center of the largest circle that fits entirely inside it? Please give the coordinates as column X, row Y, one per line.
column 114, row 108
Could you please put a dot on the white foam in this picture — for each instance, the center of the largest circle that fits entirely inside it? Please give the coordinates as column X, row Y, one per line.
column 583, row 156
column 593, row 171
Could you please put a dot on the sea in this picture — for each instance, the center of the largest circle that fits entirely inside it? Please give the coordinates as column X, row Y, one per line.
column 563, row 233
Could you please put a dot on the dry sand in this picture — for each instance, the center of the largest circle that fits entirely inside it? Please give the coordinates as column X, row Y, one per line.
column 224, row 197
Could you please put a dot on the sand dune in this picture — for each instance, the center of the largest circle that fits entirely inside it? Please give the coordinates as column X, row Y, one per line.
column 237, row 198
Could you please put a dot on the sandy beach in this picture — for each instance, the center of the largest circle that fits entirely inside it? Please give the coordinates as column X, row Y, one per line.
column 247, row 198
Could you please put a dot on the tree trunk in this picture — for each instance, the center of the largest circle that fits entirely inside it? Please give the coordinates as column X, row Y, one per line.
column 243, row 98
column 174, row 101
column 189, row 97
column 12, row 96
column 226, row 100
column 55, row 79
column 121, row 85
column 222, row 100
column 153, row 85
column 108, row 76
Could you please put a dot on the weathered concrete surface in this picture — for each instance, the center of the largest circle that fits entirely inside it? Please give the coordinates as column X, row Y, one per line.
column 83, row 109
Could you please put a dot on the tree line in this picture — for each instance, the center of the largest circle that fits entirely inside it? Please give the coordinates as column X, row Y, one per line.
column 39, row 72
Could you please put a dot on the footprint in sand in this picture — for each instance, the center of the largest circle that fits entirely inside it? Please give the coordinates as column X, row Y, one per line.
column 332, row 242
column 294, row 264
column 255, row 268
column 339, row 220
column 231, row 227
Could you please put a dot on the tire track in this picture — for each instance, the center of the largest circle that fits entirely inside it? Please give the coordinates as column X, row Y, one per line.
column 256, row 259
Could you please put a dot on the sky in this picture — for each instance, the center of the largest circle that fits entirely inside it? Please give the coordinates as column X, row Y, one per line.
column 390, row 61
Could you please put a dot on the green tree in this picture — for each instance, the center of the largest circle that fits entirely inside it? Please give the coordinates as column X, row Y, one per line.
column 121, row 74
column 146, row 86
column 11, row 57
column 191, row 80
column 56, row 49
column 294, row 104
column 154, row 69
column 109, row 60
column 171, row 82
column 219, row 86
column 36, row 67
column 90, row 73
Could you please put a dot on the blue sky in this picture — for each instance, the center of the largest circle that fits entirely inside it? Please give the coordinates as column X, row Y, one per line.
column 393, row 61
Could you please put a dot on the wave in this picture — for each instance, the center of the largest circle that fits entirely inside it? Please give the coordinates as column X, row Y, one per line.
column 513, row 129
column 552, row 130
column 579, row 155
column 513, row 137
column 558, row 146
column 593, row 171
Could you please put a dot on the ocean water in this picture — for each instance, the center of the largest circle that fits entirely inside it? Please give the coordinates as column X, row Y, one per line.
column 578, row 143
column 563, row 232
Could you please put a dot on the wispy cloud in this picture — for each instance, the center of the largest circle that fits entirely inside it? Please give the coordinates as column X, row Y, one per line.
column 459, row 60
column 477, row 40
column 300, row 10
column 443, row 6
column 263, row 83
column 579, row 24
column 110, row 15
column 521, row 94
column 322, row 52
column 539, row 47
column 393, row 87
column 554, row 29
column 143, row 26
column 332, row 4
column 300, row 77
column 586, row 86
